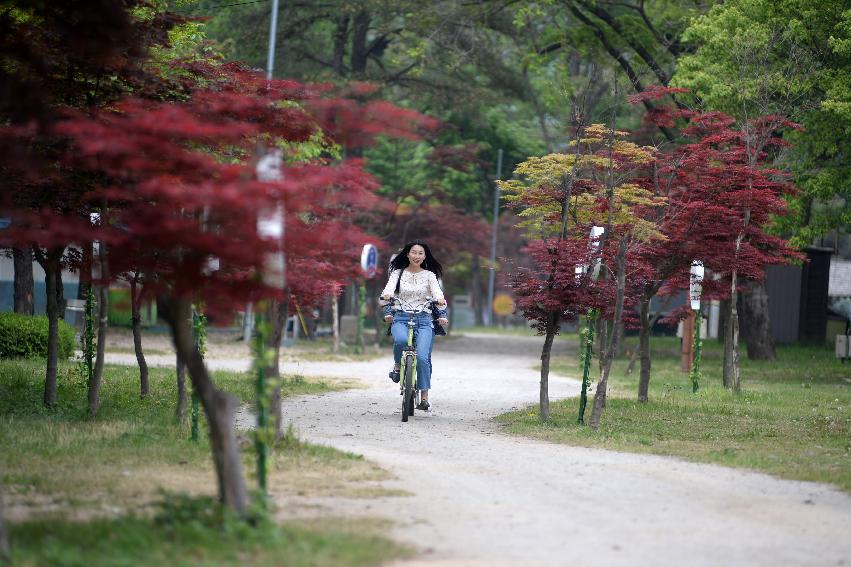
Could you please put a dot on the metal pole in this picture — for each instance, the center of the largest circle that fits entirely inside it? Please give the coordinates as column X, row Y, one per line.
column 361, row 308
column 492, row 271
column 591, row 318
column 273, row 32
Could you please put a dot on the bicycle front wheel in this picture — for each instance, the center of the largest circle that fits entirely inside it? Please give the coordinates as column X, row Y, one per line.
column 408, row 388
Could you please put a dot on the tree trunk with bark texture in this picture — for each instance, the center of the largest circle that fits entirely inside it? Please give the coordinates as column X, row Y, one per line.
column 731, row 345
column 136, row 311
column 103, row 323
column 650, row 326
column 51, row 266
column 219, row 406
column 723, row 316
column 756, row 319
column 360, row 53
column 180, row 368
column 552, row 329
column 341, row 34
column 644, row 348
column 61, row 303
column 614, row 340
column 24, row 285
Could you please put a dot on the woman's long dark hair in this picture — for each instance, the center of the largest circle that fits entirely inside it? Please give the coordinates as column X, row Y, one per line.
column 400, row 262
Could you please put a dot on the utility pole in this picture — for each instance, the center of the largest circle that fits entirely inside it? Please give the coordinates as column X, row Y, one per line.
column 273, row 33
column 492, row 271
column 248, row 319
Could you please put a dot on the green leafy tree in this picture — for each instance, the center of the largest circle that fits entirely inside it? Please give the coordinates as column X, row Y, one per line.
column 788, row 57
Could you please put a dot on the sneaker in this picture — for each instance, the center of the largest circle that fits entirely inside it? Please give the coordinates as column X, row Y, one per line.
column 394, row 375
column 424, row 405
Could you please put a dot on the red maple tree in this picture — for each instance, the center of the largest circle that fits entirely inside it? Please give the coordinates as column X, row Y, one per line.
column 720, row 198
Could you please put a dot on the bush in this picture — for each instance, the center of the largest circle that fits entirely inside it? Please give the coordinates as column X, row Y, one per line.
column 26, row 336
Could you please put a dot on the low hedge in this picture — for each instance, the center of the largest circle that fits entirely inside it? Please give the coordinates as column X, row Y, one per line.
column 26, row 336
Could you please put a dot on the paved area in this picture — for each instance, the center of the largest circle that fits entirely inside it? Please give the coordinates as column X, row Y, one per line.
column 480, row 497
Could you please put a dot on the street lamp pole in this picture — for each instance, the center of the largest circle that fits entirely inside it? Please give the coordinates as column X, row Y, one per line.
column 273, row 33
column 492, row 267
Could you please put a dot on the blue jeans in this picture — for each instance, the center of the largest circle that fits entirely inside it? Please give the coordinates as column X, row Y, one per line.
column 424, row 333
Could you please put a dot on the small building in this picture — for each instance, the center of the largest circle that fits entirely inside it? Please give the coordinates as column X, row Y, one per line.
column 798, row 298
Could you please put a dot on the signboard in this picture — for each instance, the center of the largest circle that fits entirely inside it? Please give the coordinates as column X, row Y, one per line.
column 369, row 260
column 503, row 304
column 695, row 287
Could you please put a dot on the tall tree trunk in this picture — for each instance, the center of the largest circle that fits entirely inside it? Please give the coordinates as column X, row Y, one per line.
column 731, row 344
column 614, row 341
column 23, row 261
column 359, row 55
column 754, row 307
column 644, row 348
column 218, row 406
column 723, row 317
column 731, row 337
column 103, row 322
column 51, row 264
column 552, row 329
column 341, row 34
column 180, row 368
column 476, row 291
column 135, row 307
column 61, row 303
column 653, row 320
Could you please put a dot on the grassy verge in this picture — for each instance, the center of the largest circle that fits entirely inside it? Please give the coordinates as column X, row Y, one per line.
column 73, row 479
column 792, row 418
column 183, row 540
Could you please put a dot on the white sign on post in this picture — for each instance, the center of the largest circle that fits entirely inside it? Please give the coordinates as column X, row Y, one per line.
column 594, row 245
column 270, row 222
column 695, row 287
column 369, row 260
column 596, row 233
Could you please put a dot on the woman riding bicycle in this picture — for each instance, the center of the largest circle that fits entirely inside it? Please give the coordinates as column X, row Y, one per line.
column 414, row 274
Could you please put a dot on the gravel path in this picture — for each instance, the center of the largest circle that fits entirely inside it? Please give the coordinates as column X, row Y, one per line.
column 479, row 497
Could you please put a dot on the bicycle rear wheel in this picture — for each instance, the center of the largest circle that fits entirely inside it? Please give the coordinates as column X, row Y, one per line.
column 407, row 389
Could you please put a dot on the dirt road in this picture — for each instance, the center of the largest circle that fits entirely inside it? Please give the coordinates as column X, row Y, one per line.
column 480, row 497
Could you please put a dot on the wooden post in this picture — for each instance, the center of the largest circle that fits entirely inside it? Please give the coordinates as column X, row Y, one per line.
column 688, row 343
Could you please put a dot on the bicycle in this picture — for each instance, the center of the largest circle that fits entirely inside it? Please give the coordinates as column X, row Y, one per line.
column 408, row 363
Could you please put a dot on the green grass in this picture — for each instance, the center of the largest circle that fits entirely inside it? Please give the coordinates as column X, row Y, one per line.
column 792, row 418
column 76, row 483
column 153, row 542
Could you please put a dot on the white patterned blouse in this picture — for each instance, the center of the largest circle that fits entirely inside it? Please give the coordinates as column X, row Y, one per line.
column 414, row 289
